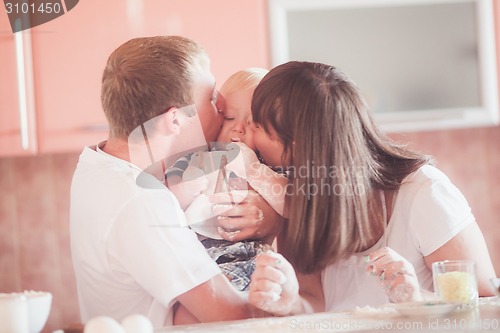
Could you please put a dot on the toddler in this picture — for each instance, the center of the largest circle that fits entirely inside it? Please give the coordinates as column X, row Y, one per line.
column 194, row 177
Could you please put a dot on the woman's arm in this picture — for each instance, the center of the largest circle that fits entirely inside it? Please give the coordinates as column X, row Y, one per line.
column 468, row 244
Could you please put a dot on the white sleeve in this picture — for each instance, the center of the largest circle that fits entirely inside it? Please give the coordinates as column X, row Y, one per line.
column 439, row 211
column 151, row 244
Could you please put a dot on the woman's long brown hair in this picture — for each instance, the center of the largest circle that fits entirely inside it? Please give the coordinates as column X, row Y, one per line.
column 339, row 162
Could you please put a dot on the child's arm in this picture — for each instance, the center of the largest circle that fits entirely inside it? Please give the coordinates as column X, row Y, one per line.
column 186, row 190
column 268, row 183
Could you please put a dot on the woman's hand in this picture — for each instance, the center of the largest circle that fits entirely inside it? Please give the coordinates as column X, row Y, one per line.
column 274, row 287
column 244, row 214
column 395, row 274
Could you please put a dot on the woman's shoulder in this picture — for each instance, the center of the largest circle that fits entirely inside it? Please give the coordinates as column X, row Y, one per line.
column 426, row 183
column 429, row 189
column 424, row 174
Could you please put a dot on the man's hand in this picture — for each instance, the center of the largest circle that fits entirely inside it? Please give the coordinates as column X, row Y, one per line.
column 274, row 287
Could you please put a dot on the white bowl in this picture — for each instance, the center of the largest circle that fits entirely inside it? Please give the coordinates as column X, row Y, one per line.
column 13, row 313
column 426, row 308
column 495, row 283
column 39, row 303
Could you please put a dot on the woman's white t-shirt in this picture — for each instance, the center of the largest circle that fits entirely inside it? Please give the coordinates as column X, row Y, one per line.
column 428, row 211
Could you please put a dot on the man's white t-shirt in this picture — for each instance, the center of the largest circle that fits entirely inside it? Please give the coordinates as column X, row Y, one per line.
column 132, row 252
column 428, row 211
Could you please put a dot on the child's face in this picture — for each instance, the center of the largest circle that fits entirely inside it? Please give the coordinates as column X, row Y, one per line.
column 237, row 125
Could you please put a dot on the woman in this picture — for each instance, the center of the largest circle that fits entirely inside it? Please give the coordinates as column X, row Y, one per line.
column 356, row 201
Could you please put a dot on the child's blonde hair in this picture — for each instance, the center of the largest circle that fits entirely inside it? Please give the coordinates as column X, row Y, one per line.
column 243, row 80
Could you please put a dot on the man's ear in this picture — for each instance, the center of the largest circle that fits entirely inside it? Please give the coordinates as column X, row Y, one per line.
column 171, row 120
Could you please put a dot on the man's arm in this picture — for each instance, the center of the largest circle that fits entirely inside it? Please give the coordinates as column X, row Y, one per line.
column 214, row 300
column 275, row 287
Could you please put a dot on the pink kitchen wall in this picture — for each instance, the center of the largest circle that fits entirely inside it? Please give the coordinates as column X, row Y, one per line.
column 471, row 159
column 34, row 231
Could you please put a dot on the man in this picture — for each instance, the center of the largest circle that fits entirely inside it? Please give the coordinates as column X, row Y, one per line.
column 131, row 253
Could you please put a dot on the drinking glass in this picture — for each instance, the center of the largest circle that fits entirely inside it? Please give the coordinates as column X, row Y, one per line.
column 456, row 281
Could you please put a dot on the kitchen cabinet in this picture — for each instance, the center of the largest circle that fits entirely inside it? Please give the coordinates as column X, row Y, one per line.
column 70, row 52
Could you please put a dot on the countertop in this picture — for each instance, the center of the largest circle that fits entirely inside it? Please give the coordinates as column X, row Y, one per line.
column 484, row 318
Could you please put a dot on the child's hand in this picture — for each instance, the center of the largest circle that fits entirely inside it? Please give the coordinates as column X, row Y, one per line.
column 395, row 274
column 274, row 287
